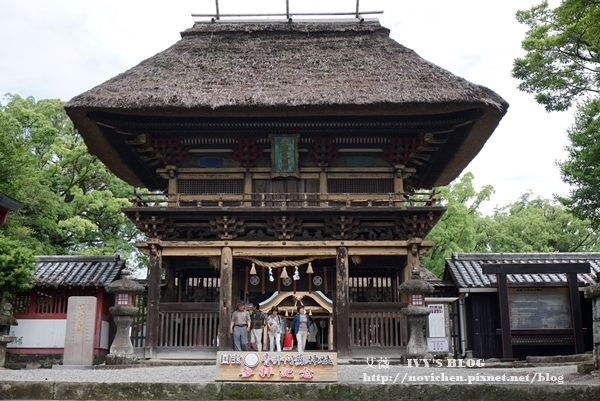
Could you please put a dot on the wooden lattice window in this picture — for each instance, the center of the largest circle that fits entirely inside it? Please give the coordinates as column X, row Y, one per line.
column 373, row 289
column 56, row 301
column 21, row 303
column 199, row 186
column 360, row 186
column 200, row 289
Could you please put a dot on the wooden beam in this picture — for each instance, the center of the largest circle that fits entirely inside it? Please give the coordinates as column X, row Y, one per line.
column 284, row 244
column 341, row 311
column 152, row 318
column 284, row 252
column 377, row 251
column 537, row 268
column 225, row 300
column 192, row 251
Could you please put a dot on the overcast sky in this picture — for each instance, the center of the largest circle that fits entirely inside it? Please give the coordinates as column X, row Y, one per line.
column 60, row 48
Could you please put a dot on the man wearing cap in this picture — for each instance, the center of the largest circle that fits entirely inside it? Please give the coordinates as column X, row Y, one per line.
column 240, row 326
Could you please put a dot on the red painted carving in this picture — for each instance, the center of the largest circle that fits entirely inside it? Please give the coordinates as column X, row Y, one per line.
column 323, row 152
column 247, row 152
column 403, row 150
column 170, row 151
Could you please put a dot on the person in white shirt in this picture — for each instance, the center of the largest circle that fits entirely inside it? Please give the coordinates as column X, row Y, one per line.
column 274, row 325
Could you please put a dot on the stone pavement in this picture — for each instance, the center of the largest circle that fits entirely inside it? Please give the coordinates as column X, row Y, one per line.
column 358, row 379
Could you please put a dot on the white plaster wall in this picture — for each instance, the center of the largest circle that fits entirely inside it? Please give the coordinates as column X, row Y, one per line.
column 39, row 333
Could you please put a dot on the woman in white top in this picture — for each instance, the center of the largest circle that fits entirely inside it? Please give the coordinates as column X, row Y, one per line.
column 274, row 324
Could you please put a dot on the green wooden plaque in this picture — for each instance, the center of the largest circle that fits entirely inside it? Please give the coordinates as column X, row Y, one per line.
column 284, row 155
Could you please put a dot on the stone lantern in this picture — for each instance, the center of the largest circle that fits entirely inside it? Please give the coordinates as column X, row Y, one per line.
column 415, row 313
column 6, row 321
column 123, row 312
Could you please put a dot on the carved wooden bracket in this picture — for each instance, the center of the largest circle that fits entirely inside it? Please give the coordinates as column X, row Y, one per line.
column 284, row 227
column 247, row 152
column 170, row 151
column 403, row 150
column 153, row 226
column 342, row 227
column 323, row 152
column 414, row 226
column 227, row 227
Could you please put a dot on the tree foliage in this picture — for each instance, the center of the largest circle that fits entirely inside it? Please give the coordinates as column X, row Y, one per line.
column 71, row 202
column 562, row 63
column 562, row 68
column 529, row 224
column 16, row 266
column 458, row 228
column 534, row 224
column 582, row 168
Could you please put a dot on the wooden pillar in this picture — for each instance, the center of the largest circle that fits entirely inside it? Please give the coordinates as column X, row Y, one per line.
column 412, row 263
column 398, row 179
column 577, row 322
column 507, row 351
column 170, row 295
column 248, row 187
column 322, row 185
column 152, row 318
column 172, row 188
column 225, row 299
column 341, row 311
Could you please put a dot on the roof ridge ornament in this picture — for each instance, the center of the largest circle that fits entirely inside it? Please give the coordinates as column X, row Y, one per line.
column 289, row 16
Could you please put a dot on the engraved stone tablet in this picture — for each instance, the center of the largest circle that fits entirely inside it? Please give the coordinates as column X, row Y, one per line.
column 79, row 337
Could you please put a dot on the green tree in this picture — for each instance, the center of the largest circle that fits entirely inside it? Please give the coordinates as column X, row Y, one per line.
column 534, row 224
column 71, row 202
column 458, row 228
column 562, row 63
column 562, row 68
column 582, row 168
column 529, row 224
column 16, row 266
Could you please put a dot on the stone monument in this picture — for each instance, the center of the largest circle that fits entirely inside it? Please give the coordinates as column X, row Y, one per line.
column 80, row 333
column 125, row 289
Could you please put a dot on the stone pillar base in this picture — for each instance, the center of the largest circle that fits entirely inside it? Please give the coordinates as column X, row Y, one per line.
column 3, row 341
column 121, row 359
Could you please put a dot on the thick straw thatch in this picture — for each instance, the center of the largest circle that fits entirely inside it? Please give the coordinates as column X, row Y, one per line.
column 283, row 64
column 285, row 69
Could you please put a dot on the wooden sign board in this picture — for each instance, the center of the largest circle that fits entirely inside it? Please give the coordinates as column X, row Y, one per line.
column 277, row 366
column 539, row 308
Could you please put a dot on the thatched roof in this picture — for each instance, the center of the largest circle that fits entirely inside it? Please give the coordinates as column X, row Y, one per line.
column 287, row 69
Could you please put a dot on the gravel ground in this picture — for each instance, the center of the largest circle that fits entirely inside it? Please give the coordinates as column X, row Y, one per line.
column 398, row 374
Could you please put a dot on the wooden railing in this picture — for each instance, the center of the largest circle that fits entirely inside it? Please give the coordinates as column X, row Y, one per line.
column 279, row 200
column 376, row 324
column 188, row 325
column 372, row 324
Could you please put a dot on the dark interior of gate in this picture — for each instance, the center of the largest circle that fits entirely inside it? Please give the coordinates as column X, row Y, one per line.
column 191, row 291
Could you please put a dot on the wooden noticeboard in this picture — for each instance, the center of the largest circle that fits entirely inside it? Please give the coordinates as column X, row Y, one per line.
column 277, row 366
column 539, row 308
